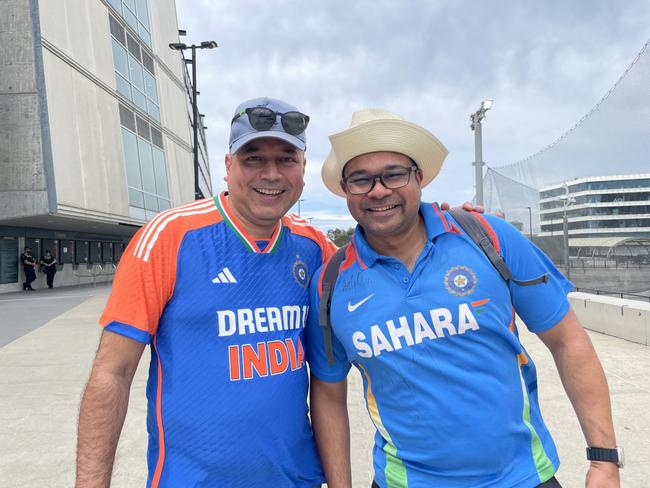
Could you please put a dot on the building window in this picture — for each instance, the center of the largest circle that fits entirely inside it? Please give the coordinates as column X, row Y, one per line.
column 136, row 15
column 146, row 170
column 134, row 70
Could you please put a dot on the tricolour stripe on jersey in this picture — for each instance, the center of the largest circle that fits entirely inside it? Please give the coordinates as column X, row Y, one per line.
column 521, row 357
column 249, row 243
column 543, row 464
column 153, row 225
column 161, row 434
column 167, row 220
column 395, row 470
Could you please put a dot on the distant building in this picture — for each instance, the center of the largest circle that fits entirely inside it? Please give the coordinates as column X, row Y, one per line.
column 95, row 130
column 604, row 206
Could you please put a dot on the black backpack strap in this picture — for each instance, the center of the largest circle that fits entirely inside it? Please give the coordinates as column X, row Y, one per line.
column 479, row 234
column 535, row 281
column 477, row 231
column 330, row 274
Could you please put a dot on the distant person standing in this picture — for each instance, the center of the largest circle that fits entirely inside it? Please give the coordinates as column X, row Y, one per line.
column 48, row 262
column 29, row 263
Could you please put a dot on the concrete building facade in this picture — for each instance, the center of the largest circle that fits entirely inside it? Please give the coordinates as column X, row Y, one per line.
column 95, row 130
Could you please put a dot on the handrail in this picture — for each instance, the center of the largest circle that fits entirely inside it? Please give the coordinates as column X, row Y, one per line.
column 91, row 267
column 614, row 293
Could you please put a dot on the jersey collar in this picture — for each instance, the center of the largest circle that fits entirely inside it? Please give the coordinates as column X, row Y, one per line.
column 249, row 243
column 436, row 223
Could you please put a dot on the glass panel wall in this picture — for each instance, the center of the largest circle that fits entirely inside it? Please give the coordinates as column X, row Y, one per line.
column 146, row 169
column 134, row 70
column 136, row 15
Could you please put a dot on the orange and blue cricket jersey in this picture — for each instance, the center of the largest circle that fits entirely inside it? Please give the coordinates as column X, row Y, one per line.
column 448, row 385
column 224, row 315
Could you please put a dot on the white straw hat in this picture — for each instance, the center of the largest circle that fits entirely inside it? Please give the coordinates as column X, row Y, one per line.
column 373, row 130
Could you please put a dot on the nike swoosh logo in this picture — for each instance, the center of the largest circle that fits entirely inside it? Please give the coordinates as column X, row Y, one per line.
column 352, row 308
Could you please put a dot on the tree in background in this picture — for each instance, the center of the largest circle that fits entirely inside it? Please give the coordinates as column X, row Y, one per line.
column 340, row 237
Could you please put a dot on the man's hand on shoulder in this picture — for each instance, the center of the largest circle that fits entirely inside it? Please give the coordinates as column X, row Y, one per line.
column 468, row 206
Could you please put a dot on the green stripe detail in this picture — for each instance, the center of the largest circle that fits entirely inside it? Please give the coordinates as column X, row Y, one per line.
column 395, row 470
column 223, row 213
column 544, row 466
column 276, row 244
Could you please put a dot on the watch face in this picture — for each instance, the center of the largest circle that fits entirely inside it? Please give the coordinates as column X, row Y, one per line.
column 621, row 456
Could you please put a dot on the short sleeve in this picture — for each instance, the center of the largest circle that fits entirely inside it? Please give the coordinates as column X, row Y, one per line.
column 540, row 306
column 315, row 346
column 143, row 285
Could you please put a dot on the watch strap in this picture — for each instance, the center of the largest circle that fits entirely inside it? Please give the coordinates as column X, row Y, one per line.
column 604, row 454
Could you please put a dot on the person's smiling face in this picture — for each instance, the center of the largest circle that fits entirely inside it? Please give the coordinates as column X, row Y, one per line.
column 265, row 179
column 383, row 212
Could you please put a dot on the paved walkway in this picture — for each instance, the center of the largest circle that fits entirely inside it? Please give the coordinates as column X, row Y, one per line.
column 43, row 372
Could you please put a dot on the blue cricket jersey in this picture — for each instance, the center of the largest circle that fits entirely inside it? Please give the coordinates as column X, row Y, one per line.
column 225, row 317
column 448, row 385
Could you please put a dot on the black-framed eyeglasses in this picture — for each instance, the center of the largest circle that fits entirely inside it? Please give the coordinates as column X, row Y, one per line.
column 362, row 183
column 263, row 118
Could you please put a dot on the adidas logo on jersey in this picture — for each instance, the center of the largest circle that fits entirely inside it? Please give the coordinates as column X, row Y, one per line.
column 225, row 276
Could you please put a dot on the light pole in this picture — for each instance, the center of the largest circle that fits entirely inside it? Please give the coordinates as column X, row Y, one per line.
column 530, row 223
column 476, row 126
column 179, row 46
column 567, row 199
column 300, row 200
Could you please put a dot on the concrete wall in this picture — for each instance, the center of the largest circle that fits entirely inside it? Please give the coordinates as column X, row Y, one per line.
column 83, row 108
column 621, row 280
column 627, row 319
column 23, row 188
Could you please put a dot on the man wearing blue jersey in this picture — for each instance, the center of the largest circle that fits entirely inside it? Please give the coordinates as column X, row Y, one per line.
column 429, row 323
column 219, row 289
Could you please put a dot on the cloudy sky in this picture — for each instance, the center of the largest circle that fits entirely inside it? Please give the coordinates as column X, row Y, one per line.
column 545, row 64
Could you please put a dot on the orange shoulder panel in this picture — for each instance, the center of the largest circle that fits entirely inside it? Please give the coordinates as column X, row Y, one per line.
column 146, row 275
column 299, row 226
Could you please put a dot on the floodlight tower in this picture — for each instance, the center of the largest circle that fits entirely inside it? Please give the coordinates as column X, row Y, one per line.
column 476, row 126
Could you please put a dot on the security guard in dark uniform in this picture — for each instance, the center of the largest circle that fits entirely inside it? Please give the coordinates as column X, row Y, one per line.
column 29, row 263
column 48, row 263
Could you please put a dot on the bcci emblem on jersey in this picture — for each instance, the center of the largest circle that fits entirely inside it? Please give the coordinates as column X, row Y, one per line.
column 300, row 272
column 460, row 281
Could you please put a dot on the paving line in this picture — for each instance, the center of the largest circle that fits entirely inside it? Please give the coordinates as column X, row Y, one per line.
column 45, row 298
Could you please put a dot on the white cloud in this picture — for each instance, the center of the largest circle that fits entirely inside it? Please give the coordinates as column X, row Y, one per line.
column 544, row 63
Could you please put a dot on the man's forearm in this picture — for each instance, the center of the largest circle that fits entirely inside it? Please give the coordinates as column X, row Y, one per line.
column 586, row 386
column 101, row 416
column 331, row 425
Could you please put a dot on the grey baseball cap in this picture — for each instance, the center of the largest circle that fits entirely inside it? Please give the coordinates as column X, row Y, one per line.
column 241, row 131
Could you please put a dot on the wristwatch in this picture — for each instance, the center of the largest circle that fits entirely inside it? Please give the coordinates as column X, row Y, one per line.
column 615, row 455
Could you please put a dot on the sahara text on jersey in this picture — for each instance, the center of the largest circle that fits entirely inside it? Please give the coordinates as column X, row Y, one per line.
column 414, row 331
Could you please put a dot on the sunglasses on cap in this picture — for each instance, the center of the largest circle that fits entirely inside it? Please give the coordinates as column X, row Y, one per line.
column 262, row 118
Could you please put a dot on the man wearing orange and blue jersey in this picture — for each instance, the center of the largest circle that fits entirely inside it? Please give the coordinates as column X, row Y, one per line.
column 430, row 324
column 219, row 290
